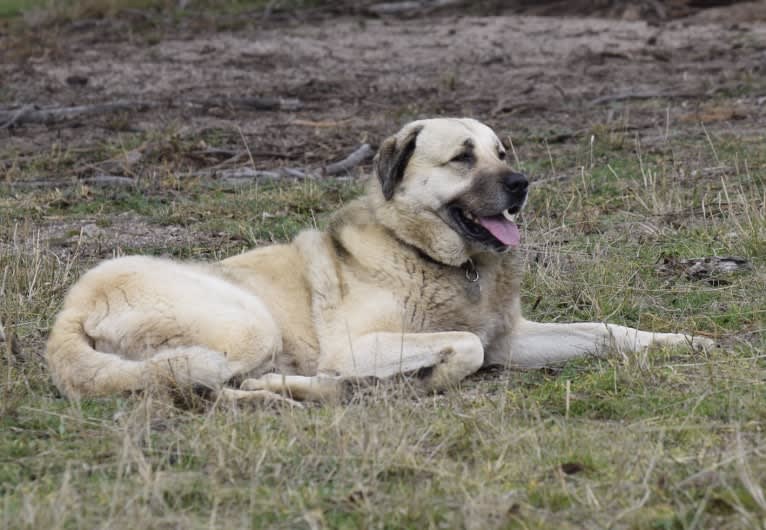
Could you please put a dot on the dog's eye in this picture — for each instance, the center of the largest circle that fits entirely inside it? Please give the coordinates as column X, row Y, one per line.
column 501, row 155
column 466, row 157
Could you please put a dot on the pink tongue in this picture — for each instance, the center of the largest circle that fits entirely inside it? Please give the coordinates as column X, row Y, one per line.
column 504, row 231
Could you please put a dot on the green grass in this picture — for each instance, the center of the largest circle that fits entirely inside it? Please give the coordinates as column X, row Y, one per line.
column 665, row 439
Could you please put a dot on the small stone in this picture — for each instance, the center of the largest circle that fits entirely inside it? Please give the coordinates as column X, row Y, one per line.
column 91, row 231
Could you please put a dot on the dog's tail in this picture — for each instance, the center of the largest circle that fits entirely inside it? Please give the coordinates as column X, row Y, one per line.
column 79, row 370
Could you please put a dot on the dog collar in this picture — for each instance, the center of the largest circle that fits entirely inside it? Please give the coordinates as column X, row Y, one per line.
column 471, row 272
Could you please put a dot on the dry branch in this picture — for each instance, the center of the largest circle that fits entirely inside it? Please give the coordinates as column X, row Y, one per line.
column 33, row 114
column 411, row 7
column 361, row 154
column 216, row 151
column 643, row 95
column 99, row 180
column 236, row 176
column 242, row 175
column 48, row 115
column 108, row 180
column 246, row 175
column 16, row 116
column 394, row 8
column 321, row 123
column 255, row 103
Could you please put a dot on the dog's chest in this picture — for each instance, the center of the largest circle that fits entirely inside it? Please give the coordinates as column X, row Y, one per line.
column 439, row 298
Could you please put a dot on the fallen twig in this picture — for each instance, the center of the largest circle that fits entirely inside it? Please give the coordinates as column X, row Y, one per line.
column 410, row 7
column 216, row 151
column 256, row 103
column 17, row 116
column 320, row 124
column 242, row 173
column 32, row 114
column 108, row 180
column 246, row 175
column 122, row 163
column 39, row 183
column 99, row 180
column 361, row 154
column 239, row 175
column 296, row 173
column 521, row 106
column 48, row 115
column 229, row 161
column 643, row 95
column 394, row 8
column 261, row 103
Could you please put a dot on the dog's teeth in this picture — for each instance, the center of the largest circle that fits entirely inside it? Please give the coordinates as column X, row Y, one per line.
column 508, row 215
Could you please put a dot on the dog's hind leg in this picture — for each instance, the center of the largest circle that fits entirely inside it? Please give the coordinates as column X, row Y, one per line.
column 537, row 344
column 133, row 322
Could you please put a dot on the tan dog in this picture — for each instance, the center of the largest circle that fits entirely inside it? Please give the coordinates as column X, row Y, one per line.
column 417, row 276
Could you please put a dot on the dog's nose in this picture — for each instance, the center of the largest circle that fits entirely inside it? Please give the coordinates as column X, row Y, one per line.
column 515, row 182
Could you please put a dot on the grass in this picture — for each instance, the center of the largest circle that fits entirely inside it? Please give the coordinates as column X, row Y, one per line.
column 667, row 439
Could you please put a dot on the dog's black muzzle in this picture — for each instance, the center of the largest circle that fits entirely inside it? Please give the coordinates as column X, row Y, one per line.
column 515, row 186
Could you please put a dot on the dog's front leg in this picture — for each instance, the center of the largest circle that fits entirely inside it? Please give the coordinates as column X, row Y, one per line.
column 537, row 344
column 300, row 387
column 255, row 396
column 439, row 359
column 442, row 359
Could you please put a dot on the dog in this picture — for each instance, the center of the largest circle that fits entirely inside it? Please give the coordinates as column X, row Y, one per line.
column 418, row 276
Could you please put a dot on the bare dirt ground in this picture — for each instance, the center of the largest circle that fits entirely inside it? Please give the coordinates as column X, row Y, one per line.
column 360, row 78
column 355, row 79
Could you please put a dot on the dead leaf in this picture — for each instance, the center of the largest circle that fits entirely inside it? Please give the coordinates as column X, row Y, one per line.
column 320, row 124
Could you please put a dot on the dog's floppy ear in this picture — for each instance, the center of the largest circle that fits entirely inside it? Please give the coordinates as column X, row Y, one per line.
column 392, row 158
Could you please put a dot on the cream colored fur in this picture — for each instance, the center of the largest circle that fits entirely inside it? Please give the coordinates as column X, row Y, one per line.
column 383, row 291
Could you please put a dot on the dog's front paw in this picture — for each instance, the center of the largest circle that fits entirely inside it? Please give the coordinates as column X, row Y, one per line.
column 703, row 344
column 696, row 342
column 261, row 383
column 272, row 382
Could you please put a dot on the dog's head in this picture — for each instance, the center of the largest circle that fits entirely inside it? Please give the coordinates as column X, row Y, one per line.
column 446, row 187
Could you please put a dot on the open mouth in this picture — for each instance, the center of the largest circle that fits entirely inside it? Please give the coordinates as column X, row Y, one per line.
column 498, row 230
